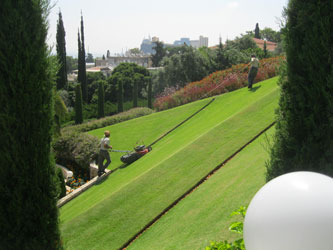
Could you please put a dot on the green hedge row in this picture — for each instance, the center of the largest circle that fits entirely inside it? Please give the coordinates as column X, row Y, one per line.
column 110, row 120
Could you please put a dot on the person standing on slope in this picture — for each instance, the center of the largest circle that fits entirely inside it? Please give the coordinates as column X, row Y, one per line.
column 254, row 65
column 103, row 153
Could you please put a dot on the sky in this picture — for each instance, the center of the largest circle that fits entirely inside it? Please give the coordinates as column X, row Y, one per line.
column 119, row 25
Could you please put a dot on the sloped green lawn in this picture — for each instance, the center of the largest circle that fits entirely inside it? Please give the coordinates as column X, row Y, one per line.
column 203, row 216
column 109, row 214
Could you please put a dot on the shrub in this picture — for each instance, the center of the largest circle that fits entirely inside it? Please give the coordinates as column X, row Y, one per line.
column 110, row 120
column 76, row 151
column 61, row 183
column 236, row 227
column 216, row 83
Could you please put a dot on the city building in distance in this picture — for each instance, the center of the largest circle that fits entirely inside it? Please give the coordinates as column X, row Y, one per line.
column 148, row 43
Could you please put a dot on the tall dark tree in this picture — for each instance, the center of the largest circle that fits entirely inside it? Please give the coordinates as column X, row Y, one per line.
column 82, row 74
column 265, row 50
column 222, row 61
column 28, row 210
column 304, row 130
column 61, row 54
column 100, row 99
column 257, row 31
column 120, row 96
column 78, row 105
column 150, row 90
column 159, row 54
column 136, row 81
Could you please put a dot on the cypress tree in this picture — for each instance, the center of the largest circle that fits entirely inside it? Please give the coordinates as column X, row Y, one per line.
column 61, row 54
column 83, row 65
column 100, row 99
column 257, row 31
column 79, row 55
column 265, row 50
column 28, row 210
column 304, row 130
column 120, row 97
column 137, row 78
column 150, row 96
column 222, row 61
column 78, row 105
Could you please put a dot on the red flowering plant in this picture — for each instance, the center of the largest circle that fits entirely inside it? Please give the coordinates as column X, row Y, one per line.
column 217, row 83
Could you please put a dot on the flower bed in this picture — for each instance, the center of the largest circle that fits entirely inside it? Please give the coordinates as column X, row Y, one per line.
column 218, row 83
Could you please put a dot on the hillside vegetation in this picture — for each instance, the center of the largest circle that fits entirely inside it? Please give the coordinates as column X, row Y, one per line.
column 109, row 214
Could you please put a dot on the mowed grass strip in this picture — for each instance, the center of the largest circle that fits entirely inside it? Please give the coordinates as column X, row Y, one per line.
column 204, row 215
column 113, row 221
column 143, row 130
column 127, row 133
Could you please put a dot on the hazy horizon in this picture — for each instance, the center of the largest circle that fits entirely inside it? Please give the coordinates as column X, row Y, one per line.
column 121, row 25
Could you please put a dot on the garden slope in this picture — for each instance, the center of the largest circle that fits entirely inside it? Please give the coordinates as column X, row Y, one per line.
column 204, row 215
column 108, row 215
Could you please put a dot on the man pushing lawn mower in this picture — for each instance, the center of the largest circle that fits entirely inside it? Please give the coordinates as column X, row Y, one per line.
column 103, row 153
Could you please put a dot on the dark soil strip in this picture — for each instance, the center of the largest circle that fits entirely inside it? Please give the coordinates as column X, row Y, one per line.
column 177, row 126
column 130, row 241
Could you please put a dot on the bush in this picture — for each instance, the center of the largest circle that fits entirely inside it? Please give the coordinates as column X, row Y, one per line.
column 76, row 151
column 217, row 83
column 110, row 120
column 236, row 227
column 61, row 183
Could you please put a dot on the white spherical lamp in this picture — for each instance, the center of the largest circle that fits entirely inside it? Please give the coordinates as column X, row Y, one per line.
column 291, row 212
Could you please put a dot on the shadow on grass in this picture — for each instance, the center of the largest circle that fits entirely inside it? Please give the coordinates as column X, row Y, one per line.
column 254, row 89
column 125, row 165
column 104, row 177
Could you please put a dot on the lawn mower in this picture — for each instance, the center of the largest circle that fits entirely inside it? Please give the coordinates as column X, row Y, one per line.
column 131, row 156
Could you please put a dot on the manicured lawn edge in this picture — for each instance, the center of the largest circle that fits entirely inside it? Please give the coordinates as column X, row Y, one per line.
column 200, row 182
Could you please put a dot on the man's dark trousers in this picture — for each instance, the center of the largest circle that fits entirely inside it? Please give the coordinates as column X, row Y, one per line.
column 252, row 75
column 103, row 154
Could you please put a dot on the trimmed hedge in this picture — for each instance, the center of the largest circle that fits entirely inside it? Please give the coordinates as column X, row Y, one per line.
column 110, row 120
column 76, row 151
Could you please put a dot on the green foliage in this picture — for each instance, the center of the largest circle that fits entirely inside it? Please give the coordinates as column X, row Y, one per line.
column 76, row 151
column 270, row 35
column 60, row 111
column 159, row 53
column 222, row 61
column 107, row 121
column 304, row 133
column 125, row 73
column 185, row 66
column 82, row 74
column 265, row 50
column 28, row 211
column 150, row 94
column 242, row 43
column 100, row 99
column 236, row 227
column 120, row 92
column 61, row 183
column 61, row 54
column 78, row 105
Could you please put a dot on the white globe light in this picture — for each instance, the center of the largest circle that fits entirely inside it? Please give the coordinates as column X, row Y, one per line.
column 291, row 212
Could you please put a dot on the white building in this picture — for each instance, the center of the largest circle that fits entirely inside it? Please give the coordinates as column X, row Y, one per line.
column 202, row 42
